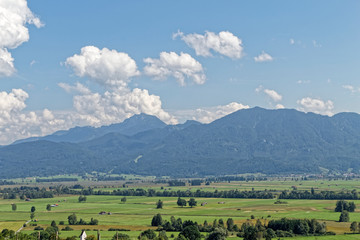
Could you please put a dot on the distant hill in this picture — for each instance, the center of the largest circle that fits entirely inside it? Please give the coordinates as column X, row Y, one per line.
column 135, row 124
column 247, row 141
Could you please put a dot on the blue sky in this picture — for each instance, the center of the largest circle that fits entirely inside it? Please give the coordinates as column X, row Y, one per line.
column 307, row 58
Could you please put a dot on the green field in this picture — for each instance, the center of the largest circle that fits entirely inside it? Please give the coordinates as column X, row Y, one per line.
column 137, row 212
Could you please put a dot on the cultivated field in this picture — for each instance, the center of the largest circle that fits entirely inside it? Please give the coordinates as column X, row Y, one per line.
column 136, row 214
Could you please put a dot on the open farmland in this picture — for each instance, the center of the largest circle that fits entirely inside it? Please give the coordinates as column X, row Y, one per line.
column 136, row 213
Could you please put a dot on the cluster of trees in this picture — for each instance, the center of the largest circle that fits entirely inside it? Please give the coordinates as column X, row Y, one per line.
column 235, row 178
column 219, row 229
column 342, row 205
column 355, row 227
column 26, row 192
column 39, row 180
column 6, row 182
column 72, row 220
column 182, row 202
column 198, row 193
column 331, row 195
column 177, row 225
column 174, row 183
column 82, row 199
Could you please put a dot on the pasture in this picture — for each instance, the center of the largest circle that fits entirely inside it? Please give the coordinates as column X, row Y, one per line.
column 136, row 214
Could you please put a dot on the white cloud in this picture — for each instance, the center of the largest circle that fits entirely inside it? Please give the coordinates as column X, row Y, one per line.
column 6, row 63
column 207, row 115
column 263, row 57
column 279, row 106
column 14, row 15
column 316, row 44
column 316, row 105
column 108, row 67
column 112, row 107
column 16, row 123
column 303, row 81
column 224, row 43
column 351, row 88
column 292, row 41
column 177, row 66
column 77, row 88
column 276, row 97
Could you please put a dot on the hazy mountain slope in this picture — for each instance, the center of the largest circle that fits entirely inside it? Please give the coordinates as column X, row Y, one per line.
column 133, row 125
column 250, row 140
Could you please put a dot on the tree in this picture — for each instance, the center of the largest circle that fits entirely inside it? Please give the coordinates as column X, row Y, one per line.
column 72, row 219
column 192, row 202
column 123, row 200
column 33, row 209
column 191, row 232
column 270, row 234
column 159, row 204
column 230, row 224
column 181, row 202
column 217, row 234
column 48, row 207
column 344, row 216
column 120, row 236
column 82, row 199
column 162, row 235
column 32, row 215
column 149, row 234
column 157, row 220
column 13, row 206
column 354, row 227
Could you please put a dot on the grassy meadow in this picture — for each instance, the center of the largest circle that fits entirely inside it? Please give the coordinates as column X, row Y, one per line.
column 136, row 214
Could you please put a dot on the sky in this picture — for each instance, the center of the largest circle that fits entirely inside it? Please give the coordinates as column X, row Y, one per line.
column 92, row 63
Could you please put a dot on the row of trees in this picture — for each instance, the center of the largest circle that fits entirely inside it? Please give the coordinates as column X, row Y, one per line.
column 72, row 220
column 331, row 195
column 342, row 205
column 220, row 229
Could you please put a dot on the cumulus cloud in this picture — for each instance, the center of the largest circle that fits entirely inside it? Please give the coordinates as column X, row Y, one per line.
column 108, row 67
column 207, row 115
column 279, row 106
column 263, row 57
column 274, row 96
column 316, row 105
column 113, row 69
column 224, row 43
column 14, row 15
column 173, row 65
column 97, row 109
column 6, row 63
column 16, row 123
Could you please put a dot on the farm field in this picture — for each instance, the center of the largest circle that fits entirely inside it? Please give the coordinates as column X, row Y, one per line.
column 137, row 212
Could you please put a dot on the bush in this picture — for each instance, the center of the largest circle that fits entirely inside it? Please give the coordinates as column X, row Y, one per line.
column 38, row 228
column 67, row 228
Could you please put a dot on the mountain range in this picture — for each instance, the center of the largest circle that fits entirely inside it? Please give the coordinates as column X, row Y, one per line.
column 252, row 140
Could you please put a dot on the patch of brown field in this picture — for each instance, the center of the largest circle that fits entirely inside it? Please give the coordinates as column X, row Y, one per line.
column 338, row 227
column 106, row 227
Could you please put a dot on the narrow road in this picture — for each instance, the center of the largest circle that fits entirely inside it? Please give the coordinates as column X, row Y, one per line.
column 22, row 226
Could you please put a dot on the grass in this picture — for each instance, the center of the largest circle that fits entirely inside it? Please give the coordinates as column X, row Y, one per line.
column 137, row 212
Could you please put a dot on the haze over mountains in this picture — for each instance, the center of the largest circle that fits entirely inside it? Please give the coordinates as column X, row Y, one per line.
column 247, row 141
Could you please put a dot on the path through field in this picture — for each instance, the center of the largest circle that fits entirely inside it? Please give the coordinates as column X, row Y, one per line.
column 22, row 226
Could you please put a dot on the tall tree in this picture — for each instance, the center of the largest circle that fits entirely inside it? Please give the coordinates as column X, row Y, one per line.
column 159, row 204
column 344, row 216
column 13, row 206
column 192, row 202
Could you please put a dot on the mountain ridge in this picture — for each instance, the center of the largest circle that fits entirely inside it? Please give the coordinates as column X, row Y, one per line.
column 246, row 141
